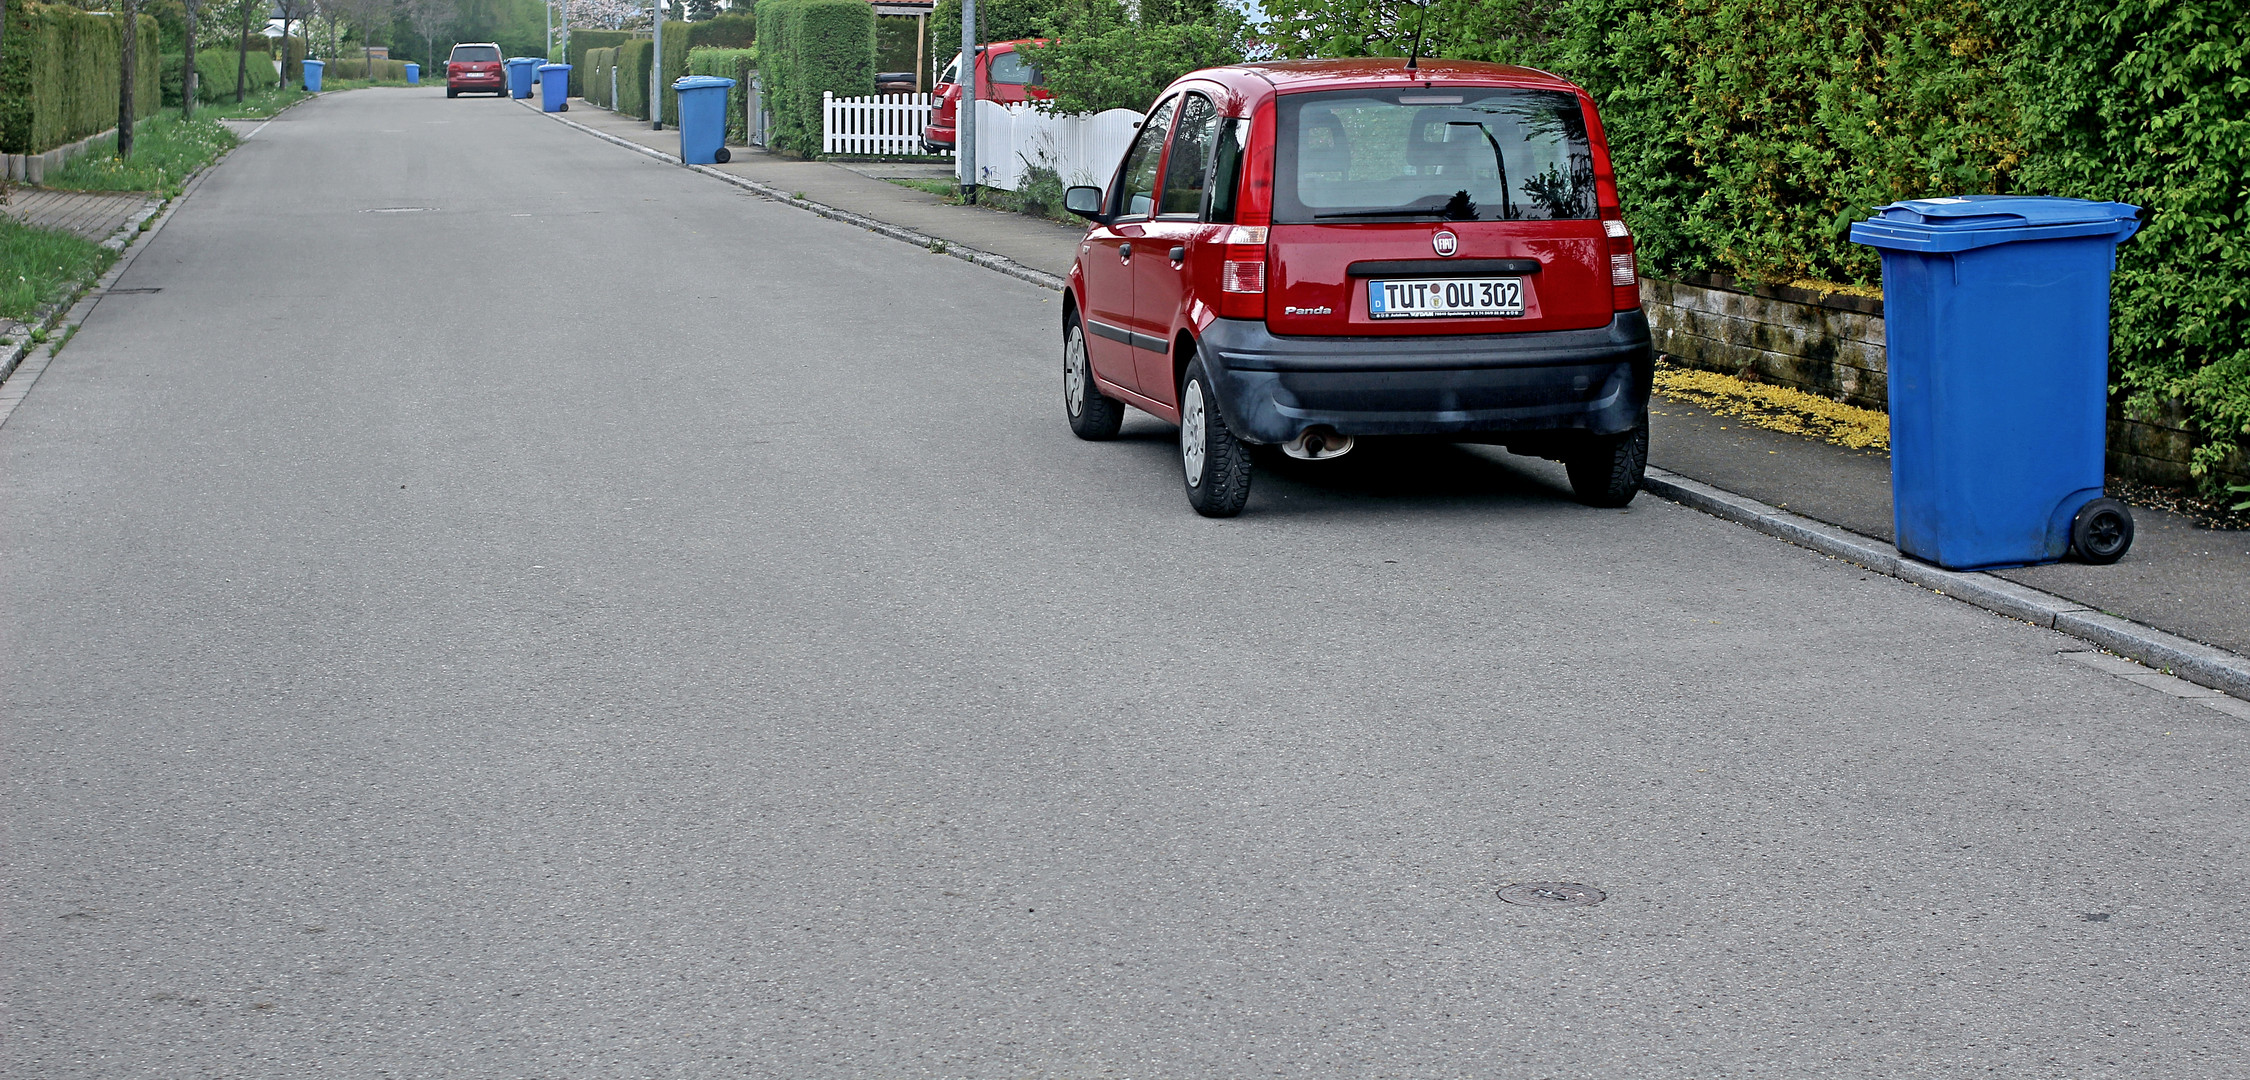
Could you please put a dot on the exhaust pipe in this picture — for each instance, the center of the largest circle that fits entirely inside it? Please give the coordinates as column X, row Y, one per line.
column 1319, row 443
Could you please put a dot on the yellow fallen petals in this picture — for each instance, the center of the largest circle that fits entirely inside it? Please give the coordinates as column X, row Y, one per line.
column 1777, row 408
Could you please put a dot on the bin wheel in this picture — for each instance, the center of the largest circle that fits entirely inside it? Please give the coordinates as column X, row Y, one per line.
column 720, row 156
column 564, row 107
column 2102, row 532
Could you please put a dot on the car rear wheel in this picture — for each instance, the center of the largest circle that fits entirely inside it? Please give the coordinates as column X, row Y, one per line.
column 1094, row 416
column 1216, row 463
column 1607, row 471
column 451, row 92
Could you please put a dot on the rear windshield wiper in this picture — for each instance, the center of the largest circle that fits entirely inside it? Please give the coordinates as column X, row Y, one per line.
column 1410, row 211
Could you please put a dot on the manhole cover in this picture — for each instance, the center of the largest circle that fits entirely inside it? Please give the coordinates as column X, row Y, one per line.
column 1552, row 894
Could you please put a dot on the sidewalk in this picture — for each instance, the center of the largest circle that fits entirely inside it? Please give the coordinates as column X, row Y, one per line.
column 2179, row 578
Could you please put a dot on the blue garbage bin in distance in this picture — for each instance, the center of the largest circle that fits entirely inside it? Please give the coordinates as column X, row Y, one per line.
column 1996, row 321
column 703, row 119
column 554, row 88
column 413, row 74
column 519, row 75
column 312, row 75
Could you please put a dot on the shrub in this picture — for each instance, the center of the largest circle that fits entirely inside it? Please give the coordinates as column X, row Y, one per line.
column 600, row 76
column 633, row 59
column 810, row 47
column 582, row 44
column 733, row 30
column 59, row 74
column 736, row 64
column 1102, row 58
column 356, row 67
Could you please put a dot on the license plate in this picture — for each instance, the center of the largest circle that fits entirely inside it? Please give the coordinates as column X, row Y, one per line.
column 1445, row 297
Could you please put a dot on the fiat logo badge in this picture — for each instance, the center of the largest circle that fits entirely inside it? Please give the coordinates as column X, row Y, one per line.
column 1446, row 243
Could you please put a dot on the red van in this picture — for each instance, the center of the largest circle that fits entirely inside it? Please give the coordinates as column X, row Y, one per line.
column 1004, row 75
column 475, row 68
column 1303, row 254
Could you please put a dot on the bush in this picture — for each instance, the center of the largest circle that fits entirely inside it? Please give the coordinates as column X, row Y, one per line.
column 582, row 44
column 59, row 74
column 356, row 67
column 600, row 76
column 811, row 47
column 736, row 64
column 1102, row 58
column 214, row 70
column 633, row 59
column 729, row 31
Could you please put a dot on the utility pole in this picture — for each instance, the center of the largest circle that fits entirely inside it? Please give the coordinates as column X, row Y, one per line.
column 547, row 44
column 656, row 68
column 965, row 118
column 187, row 75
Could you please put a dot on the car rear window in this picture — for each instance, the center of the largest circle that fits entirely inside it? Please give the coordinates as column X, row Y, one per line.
column 1456, row 154
column 470, row 54
column 1009, row 69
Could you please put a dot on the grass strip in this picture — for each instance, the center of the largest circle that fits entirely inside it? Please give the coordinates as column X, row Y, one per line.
column 37, row 264
column 166, row 151
column 1777, row 408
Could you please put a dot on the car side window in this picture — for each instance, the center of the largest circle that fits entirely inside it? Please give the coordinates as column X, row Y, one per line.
column 1136, row 181
column 1190, row 163
column 1226, row 170
column 1009, row 69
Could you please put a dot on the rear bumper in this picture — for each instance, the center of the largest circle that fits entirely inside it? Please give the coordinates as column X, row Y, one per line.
column 1272, row 388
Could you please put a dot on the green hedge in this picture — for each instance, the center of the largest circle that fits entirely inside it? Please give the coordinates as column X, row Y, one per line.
column 600, row 76
column 58, row 77
column 215, row 75
column 736, row 64
column 583, row 43
column 808, row 47
column 729, row 31
column 633, row 60
column 355, row 67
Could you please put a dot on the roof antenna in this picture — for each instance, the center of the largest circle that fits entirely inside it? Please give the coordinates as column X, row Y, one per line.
column 1416, row 54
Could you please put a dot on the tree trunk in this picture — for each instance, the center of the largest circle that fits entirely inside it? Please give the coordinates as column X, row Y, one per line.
column 242, row 57
column 187, row 77
column 125, row 79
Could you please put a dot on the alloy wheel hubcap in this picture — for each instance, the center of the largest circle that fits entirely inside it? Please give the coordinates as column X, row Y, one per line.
column 1192, row 433
column 1074, row 372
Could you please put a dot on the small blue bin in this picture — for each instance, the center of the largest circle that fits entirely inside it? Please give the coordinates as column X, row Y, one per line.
column 312, row 75
column 1996, row 319
column 413, row 74
column 703, row 119
column 554, row 88
column 519, row 75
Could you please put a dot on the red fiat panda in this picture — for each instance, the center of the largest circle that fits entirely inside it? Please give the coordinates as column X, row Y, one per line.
column 1303, row 254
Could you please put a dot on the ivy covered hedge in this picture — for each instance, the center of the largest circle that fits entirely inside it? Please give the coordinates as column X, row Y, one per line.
column 59, row 74
column 1748, row 134
column 808, row 47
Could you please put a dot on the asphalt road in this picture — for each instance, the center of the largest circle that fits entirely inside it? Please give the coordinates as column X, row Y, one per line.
column 591, row 622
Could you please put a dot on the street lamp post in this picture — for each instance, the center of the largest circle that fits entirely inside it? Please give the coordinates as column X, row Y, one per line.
column 656, row 68
column 965, row 120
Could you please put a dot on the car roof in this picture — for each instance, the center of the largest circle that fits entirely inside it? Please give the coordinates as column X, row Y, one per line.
column 1290, row 76
column 477, row 44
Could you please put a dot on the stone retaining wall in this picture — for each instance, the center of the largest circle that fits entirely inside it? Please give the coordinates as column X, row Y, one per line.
column 1831, row 344
column 33, row 168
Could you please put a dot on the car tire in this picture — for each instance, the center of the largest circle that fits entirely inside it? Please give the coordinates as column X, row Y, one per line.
column 2102, row 532
column 1094, row 416
column 1607, row 471
column 451, row 92
column 1215, row 464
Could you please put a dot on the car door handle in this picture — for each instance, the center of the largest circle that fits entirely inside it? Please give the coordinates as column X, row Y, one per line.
column 1124, row 251
column 1179, row 254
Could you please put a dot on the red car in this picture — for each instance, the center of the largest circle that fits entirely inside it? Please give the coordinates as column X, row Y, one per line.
column 1004, row 75
column 1305, row 254
column 475, row 69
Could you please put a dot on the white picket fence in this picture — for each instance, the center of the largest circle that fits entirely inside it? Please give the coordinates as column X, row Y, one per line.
column 1012, row 139
column 881, row 124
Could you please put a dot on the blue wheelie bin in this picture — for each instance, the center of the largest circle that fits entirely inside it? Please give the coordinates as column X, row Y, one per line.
column 1996, row 320
column 703, row 119
column 554, row 88
column 312, row 75
column 413, row 74
column 519, row 75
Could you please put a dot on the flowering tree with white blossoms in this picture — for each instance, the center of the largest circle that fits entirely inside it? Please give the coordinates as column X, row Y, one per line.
column 608, row 14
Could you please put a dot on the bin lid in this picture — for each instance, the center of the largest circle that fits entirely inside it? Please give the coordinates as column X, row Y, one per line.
column 1962, row 222
column 699, row 82
column 521, row 60
column 554, row 67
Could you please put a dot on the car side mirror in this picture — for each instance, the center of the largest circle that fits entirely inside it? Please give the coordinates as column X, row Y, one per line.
column 1084, row 201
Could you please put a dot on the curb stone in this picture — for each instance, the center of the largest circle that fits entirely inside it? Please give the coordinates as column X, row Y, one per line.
column 2191, row 660
column 938, row 245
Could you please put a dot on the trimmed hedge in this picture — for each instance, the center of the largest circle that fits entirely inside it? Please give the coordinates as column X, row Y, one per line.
column 582, row 44
column 739, row 65
column 58, row 77
column 808, row 47
column 633, row 60
column 355, row 67
column 728, row 31
column 215, row 75
column 600, row 76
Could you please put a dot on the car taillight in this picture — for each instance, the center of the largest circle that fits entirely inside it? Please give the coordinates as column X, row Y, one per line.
column 1242, row 273
column 1624, row 270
